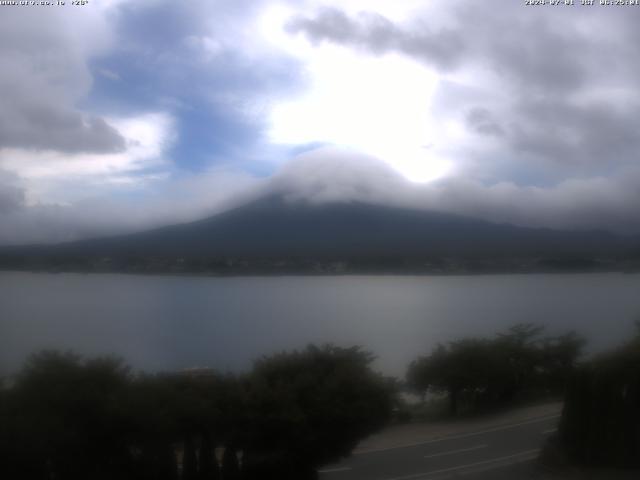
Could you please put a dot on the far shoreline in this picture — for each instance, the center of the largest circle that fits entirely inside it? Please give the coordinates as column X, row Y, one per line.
column 294, row 274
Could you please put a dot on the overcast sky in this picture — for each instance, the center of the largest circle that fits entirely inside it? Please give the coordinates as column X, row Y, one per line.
column 121, row 115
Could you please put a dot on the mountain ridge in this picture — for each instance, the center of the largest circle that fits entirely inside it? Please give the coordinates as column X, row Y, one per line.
column 276, row 228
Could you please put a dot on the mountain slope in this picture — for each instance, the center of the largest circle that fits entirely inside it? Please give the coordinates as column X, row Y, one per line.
column 273, row 228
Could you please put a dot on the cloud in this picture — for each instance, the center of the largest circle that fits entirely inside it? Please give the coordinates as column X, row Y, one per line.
column 550, row 87
column 337, row 175
column 375, row 33
column 84, row 154
column 482, row 121
column 44, row 75
column 121, row 116
column 165, row 201
column 331, row 174
column 111, row 75
column 206, row 64
column 328, row 175
column 12, row 195
column 380, row 108
column 52, row 177
column 41, row 124
column 471, row 35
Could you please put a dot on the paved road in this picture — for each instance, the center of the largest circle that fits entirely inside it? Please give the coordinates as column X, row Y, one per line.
column 505, row 451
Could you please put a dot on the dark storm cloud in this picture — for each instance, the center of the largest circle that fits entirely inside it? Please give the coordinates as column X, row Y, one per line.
column 44, row 75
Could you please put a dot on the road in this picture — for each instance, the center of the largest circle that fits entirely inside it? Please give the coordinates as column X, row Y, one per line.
column 504, row 451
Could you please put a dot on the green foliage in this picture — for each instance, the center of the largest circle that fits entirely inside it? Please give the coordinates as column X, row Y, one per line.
column 316, row 403
column 490, row 372
column 69, row 418
column 65, row 416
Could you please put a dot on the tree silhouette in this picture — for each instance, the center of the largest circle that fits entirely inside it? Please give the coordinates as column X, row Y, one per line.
column 311, row 407
column 492, row 372
column 230, row 466
column 600, row 422
column 208, row 466
column 68, row 418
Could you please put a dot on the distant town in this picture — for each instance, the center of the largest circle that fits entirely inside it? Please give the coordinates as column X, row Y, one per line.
column 314, row 266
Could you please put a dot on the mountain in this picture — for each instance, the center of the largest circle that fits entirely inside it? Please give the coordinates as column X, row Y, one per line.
column 274, row 229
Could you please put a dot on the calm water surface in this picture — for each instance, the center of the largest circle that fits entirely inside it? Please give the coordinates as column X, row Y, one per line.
column 166, row 323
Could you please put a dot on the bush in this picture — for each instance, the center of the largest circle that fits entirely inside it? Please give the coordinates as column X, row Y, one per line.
column 69, row 418
column 484, row 373
column 312, row 407
column 600, row 424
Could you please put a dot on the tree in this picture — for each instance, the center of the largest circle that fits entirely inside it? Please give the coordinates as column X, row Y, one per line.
column 151, row 407
column 491, row 372
column 70, row 418
column 230, row 465
column 519, row 349
column 208, row 466
column 464, row 367
column 311, row 407
column 560, row 357
column 188, row 412
column 66, row 418
column 600, row 422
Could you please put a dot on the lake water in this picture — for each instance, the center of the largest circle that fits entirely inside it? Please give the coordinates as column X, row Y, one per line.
column 173, row 322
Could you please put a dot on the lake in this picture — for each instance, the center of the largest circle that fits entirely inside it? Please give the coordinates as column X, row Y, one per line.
column 175, row 322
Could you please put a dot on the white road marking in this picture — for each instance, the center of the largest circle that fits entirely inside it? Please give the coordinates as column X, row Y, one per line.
column 500, row 461
column 334, row 470
column 464, row 435
column 551, row 430
column 453, row 452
